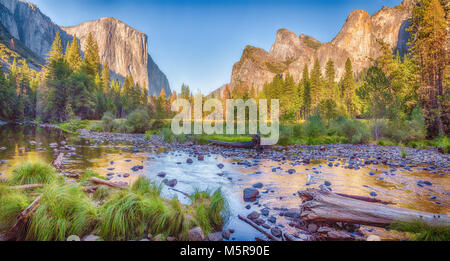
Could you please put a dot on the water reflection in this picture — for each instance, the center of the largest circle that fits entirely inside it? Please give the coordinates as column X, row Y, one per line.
column 279, row 191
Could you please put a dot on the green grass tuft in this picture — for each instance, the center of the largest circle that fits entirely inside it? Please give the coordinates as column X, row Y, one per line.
column 102, row 193
column 33, row 173
column 422, row 231
column 143, row 186
column 64, row 210
column 12, row 203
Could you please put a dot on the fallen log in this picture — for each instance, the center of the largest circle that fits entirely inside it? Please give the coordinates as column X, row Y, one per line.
column 367, row 199
column 58, row 162
column 251, row 223
column 90, row 189
column 27, row 187
column 107, row 183
column 16, row 232
column 325, row 206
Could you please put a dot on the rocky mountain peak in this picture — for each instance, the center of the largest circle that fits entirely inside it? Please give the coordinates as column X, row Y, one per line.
column 358, row 40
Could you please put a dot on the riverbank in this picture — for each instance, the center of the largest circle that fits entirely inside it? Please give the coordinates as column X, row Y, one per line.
column 411, row 178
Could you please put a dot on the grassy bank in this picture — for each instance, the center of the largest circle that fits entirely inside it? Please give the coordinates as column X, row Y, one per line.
column 114, row 214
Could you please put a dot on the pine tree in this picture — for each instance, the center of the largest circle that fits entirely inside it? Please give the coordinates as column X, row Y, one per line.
column 316, row 84
column 106, row 78
column 91, row 57
column 56, row 50
column 306, row 87
column 348, row 89
column 73, row 56
column 429, row 40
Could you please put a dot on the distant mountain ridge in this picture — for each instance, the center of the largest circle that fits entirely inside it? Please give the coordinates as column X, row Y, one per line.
column 357, row 40
column 124, row 48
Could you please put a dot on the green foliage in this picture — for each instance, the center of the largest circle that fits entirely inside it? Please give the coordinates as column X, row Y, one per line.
column 139, row 121
column 89, row 174
column 33, row 173
column 355, row 131
column 102, row 193
column 315, row 127
column 422, row 231
column 12, row 203
column 444, row 144
column 125, row 214
column 143, row 186
column 108, row 124
column 64, row 210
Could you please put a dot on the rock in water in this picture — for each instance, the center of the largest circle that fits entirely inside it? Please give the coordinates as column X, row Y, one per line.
column 196, row 234
column 250, row 194
column 215, row 236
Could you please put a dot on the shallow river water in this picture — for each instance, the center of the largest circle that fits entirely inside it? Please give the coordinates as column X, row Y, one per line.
column 279, row 190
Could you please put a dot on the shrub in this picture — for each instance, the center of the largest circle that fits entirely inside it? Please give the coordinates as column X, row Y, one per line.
column 444, row 144
column 286, row 134
column 315, row 127
column 108, row 123
column 64, row 210
column 33, row 173
column 139, row 121
column 12, row 203
column 123, row 127
column 355, row 131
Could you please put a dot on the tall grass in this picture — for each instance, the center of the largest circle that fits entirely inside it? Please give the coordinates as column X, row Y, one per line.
column 422, row 231
column 33, row 173
column 12, row 203
column 125, row 215
column 64, row 210
column 144, row 186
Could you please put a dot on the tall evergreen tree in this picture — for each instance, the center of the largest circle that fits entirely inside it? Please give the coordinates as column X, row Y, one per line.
column 91, row 56
column 56, row 50
column 429, row 49
column 73, row 56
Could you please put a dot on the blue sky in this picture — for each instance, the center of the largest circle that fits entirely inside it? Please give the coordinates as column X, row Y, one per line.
column 197, row 42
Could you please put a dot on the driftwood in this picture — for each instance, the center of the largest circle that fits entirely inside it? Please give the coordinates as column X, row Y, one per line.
column 107, row 183
column 179, row 191
column 15, row 232
column 251, row 223
column 58, row 162
column 27, row 187
column 333, row 234
column 90, row 189
column 325, row 206
column 367, row 199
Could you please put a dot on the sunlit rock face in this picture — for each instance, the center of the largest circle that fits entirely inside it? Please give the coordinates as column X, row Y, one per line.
column 358, row 40
column 124, row 48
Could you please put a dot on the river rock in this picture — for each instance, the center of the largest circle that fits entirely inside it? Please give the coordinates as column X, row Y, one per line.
column 162, row 175
column 250, row 194
column 253, row 216
column 189, row 161
column 226, row 234
column 91, row 238
column 276, row 232
column 215, row 236
column 172, row 183
column 258, row 185
column 196, row 234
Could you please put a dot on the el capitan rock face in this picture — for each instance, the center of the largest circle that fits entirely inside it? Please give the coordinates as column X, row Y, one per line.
column 124, row 48
column 357, row 40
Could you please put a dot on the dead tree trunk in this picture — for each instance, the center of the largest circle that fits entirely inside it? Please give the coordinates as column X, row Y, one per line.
column 325, row 206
